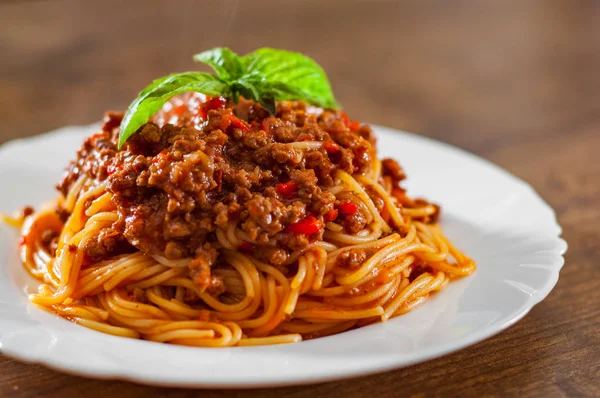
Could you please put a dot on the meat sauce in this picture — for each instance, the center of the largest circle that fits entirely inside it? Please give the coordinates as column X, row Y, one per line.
column 205, row 163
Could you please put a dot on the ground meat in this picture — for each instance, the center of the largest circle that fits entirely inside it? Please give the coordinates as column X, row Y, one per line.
column 93, row 160
column 62, row 213
column 176, row 184
column 50, row 240
column 139, row 295
column 352, row 258
column 105, row 243
column 417, row 270
column 367, row 133
column 283, row 154
column 319, row 201
column 271, row 255
column 391, row 168
column 435, row 216
column 204, row 163
column 27, row 211
column 375, row 198
column 200, row 267
column 266, row 215
column 47, row 236
column 111, row 121
column 322, row 168
column 355, row 222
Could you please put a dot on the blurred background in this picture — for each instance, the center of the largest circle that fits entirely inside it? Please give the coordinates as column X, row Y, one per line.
column 498, row 78
column 497, row 71
column 514, row 81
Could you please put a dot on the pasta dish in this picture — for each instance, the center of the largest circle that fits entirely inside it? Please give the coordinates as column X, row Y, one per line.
column 232, row 220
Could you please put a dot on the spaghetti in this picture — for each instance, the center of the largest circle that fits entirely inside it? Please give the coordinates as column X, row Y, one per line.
column 225, row 231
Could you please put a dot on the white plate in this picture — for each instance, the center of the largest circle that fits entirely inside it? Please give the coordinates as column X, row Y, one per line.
column 494, row 217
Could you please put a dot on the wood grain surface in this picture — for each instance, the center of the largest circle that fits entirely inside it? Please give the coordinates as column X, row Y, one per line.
column 516, row 82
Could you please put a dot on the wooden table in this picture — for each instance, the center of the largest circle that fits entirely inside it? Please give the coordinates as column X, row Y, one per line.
column 516, row 82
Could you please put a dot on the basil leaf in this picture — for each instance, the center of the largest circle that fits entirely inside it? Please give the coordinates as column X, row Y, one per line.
column 261, row 90
column 265, row 76
column 143, row 94
column 283, row 91
column 153, row 97
column 246, row 89
column 225, row 62
column 268, row 102
column 291, row 76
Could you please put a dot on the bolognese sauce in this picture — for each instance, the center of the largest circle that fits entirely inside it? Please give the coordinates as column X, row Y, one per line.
column 204, row 163
column 221, row 221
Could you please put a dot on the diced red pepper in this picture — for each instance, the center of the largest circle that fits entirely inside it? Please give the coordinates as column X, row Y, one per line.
column 239, row 123
column 333, row 151
column 214, row 103
column 210, row 104
column 347, row 208
column 287, row 189
column 229, row 119
column 331, row 147
column 307, row 226
column 354, row 126
column 180, row 110
column 331, row 215
column 246, row 246
column 345, row 119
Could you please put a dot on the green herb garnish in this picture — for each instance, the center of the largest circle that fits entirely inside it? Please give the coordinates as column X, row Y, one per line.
column 265, row 76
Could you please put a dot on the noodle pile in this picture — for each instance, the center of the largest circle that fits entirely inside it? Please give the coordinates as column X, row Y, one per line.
column 140, row 296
